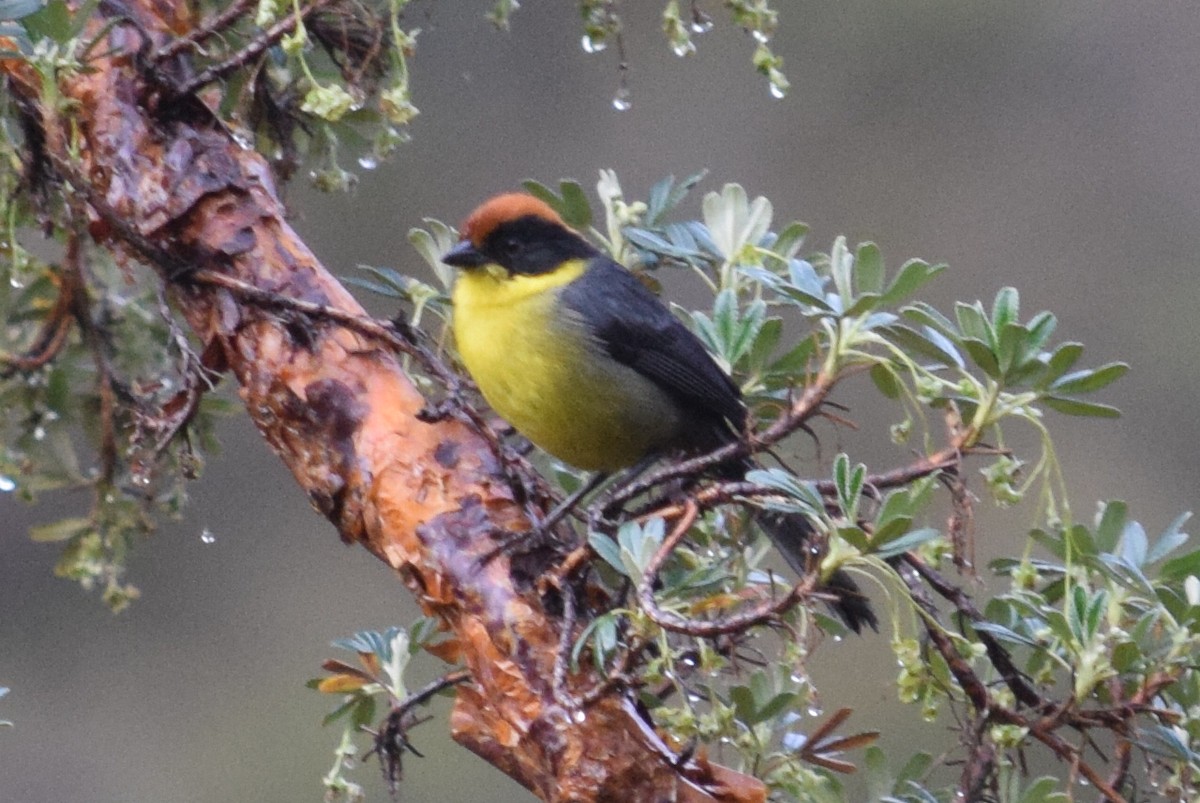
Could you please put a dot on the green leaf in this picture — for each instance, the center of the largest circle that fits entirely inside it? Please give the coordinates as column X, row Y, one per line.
column 1060, row 362
column 1164, row 742
column 666, row 195
column 1111, row 525
column 1044, row 790
column 1081, row 408
column 907, row 542
column 60, row 530
column 982, row 355
column 1181, row 567
column 734, row 221
column 868, row 268
column 1040, row 327
column 1134, row 544
column 848, row 483
column 928, row 342
column 913, row 275
column 1081, row 541
column 924, row 314
column 1007, row 635
column 16, row 9
column 1171, row 539
column 855, row 536
column 765, row 341
column 542, row 192
column 1089, row 380
column 795, row 360
column 607, row 549
column 53, row 21
column 788, row 485
column 1011, row 346
column 885, row 380
column 1006, row 308
column 575, row 208
column 973, row 323
column 789, row 241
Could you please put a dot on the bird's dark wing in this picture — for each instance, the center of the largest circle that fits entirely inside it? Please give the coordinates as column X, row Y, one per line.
column 638, row 330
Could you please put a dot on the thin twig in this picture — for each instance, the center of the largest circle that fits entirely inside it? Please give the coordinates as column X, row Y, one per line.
column 51, row 338
column 255, row 48
column 206, row 29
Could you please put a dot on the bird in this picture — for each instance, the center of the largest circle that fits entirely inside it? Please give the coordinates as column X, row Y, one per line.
column 580, row 357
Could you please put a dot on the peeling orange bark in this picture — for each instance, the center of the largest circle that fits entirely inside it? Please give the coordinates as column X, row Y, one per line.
column 338, row 410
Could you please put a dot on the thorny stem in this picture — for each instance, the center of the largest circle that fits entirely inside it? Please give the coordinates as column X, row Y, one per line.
column 93, row 338
column 51, row 338
column 255, row 48
column 205, row 30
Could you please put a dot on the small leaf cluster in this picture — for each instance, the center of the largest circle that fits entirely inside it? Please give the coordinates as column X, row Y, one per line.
column 383, row 660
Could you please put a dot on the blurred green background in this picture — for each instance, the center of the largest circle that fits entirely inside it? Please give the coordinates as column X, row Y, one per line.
column 1054, row 147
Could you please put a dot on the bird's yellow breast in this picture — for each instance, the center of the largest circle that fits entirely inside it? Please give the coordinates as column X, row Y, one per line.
column 540, row 367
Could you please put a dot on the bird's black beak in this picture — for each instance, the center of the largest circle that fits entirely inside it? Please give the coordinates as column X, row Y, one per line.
column 464, row 255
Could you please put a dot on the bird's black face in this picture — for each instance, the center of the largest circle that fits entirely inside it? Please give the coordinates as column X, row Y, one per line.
column 528, row 245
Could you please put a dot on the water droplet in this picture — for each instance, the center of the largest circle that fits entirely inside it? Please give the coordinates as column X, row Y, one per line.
column 838, row 639
column 39, row 433
column 694, row 698
column 7, row 484
column 591, row 45
column 799, row 678
column 139, row 474
column 579, row 716
column 621, row 101
column 778, row 92
column 684, row 48
column 368, row 161
column 762, row 37
column 15, row 282
column 794, row 740
column 701, row 22
column 207, row 537
column 815, row 710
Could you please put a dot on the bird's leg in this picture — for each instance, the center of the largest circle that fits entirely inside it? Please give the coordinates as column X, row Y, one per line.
column 565, row 506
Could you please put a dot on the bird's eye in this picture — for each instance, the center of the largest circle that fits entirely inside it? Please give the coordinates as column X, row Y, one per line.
column 511, row 246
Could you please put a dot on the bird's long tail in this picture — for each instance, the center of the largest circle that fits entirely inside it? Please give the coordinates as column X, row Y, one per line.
column 791, row 532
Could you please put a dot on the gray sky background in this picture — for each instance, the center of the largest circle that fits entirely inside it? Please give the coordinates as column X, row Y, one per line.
column 1049, row 146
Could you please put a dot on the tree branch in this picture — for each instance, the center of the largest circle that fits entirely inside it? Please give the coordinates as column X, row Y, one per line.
column 426, row 497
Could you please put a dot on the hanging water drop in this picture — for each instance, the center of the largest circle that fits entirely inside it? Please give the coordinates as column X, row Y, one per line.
column 207, row 536
column 368, row 161
column 579, row 716
column 592, row 45
column 7, row 484
column 778, row 92
column 701, row 22
column 621, row 101
column 815, row 710
column 39, row 433
column 684, row 48
column 762, row 37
